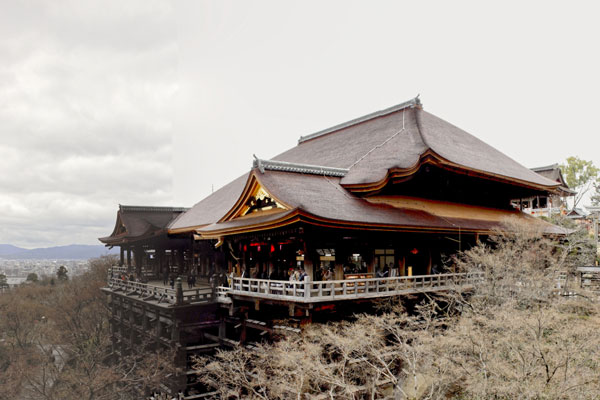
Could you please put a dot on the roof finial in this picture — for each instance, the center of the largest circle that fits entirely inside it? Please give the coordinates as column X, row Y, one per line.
column 258, row 164
column 418, row 101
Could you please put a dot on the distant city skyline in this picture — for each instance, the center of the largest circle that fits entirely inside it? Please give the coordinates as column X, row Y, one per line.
column 157, row 103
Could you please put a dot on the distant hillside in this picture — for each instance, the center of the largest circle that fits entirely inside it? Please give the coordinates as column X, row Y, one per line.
column 70, row 252
column 9, row 249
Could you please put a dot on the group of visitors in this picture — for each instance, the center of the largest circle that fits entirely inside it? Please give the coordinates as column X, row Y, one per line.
column 170, row 278
column 324, row 274
column 132, row 278
column 297, row 274
column 276, row 274
column 191, row 281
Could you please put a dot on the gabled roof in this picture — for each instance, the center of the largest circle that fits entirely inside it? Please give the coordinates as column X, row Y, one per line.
column 139, row 222
column 577, row 213
column 396, row 140
column 317, row 178
column 554, row 173
column 211, row 208
column 321, row 200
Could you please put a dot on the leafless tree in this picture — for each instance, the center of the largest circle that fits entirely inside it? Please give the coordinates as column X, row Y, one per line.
column 512, row 336
column 56, row 345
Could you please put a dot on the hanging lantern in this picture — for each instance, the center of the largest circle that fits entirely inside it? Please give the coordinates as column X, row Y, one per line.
column 414, row 251
column 272, row 249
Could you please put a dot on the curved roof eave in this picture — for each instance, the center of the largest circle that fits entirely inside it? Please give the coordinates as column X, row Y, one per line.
column 431, row 157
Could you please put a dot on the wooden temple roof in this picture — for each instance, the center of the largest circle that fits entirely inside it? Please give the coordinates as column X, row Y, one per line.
column 333, row 178
column 211, row 208
column 322, row 201
column 140, row 222
column 397, row 141
column 554, row 173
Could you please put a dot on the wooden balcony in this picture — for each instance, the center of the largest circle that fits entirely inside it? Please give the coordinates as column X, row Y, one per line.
column 352, row 289
column 161, row 295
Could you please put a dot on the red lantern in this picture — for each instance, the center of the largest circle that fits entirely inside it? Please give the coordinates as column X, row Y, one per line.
column 272, row 249
column 415, row 251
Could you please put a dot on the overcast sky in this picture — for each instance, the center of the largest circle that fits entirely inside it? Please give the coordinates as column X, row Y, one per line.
column 157, row 102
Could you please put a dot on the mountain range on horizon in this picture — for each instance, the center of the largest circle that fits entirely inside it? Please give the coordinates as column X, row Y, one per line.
column 68, row 252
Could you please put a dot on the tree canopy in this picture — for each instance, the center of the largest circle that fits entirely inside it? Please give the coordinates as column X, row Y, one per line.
column 581, row 176
column 61, row 273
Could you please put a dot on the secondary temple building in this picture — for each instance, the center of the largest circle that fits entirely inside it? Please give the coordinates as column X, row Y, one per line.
column 370, row 208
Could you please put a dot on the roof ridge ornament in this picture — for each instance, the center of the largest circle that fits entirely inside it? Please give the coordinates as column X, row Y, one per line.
column 284, row 166
column 412, row 103
column 258, row 164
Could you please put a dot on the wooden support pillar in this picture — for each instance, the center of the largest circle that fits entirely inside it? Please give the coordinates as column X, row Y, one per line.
column 138, row 260
column 309, row 255
column 402, row 265
column 131, row 326
column 222, row 329
column 370, row 259
column 172, row 260
column 113, row 323
column 340, row 258
column 243, row 267
column 175, row 331
column 129, row 259
column 121, row 307
column 192, row 255
column 158, row 330
column 243, row 332
column 144, row 319
column 160, row 260
column 181, row 260
column 429, row 263
column 122, row 256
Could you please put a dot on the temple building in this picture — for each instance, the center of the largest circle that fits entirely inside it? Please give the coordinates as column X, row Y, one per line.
column 399, row 182
column 553, row 203
column 371, row 208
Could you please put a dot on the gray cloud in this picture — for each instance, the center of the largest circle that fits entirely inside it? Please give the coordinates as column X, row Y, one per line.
column 85, row 91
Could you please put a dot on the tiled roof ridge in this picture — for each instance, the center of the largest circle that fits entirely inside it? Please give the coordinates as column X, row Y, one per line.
column 415, row 102
column 545, row 168
column 152, row 208
column 285, row 166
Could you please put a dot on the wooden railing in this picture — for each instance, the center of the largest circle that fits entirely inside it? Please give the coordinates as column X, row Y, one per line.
column 162, row 294
column 118, row 270
column 198, row 295
column 318, row 291
column 223, row 294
